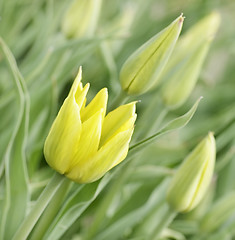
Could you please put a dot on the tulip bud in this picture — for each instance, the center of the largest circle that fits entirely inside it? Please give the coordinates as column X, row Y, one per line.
column 84, row 142
column 178, row 88
column 141, row 70
column 219, row 213
column 187, row 59
column 192, row 179
column 81, row 18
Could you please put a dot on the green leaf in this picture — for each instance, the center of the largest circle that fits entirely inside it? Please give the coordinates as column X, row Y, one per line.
column 130, row 219
column 175, row 124
column 75, row 206
column 16, row 177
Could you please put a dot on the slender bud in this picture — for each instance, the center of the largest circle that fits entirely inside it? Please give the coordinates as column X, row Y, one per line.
column 192, row 179
column 83, row 142
column 81, row 18
column 219, row 213
column 179, row 87
column 142, row 69
column 187, row 59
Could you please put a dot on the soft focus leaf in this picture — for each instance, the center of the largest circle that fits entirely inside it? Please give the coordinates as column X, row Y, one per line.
column 15, row 159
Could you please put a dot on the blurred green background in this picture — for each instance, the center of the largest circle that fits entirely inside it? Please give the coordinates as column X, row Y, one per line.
column 49, row 62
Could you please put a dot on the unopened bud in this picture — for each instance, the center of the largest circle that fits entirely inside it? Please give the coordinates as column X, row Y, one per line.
column 81, row 18
column 192, row 179
column 142, row 69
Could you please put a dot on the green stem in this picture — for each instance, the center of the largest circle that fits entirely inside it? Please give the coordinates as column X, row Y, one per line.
column 163, row 223
column 159, row 120
column 42, row 202
column 101, row 212
column 120, row 99
column 110, row 63
column 144, row 142
column 51, row 211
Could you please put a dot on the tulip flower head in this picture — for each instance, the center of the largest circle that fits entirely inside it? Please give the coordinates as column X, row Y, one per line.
column 192, row 179
column 83, row 142
column 81, row 18
column 184, row 67
column 142, row 69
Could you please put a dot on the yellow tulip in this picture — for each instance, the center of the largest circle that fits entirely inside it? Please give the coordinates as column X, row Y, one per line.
column 192, row 180
column 83, row 142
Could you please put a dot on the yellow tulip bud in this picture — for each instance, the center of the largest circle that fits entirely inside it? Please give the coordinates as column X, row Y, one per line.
column 83, row 142
column 219, row 213
column 184, row 66
column 81, row 18
column 192, row 179
column 141, row 70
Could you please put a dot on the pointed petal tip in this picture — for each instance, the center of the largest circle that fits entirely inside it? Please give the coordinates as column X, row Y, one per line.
column 104, row 91
column 79, row 74
column 181, row 18
column 133, row 106
column 87, row 86
column 211, row 133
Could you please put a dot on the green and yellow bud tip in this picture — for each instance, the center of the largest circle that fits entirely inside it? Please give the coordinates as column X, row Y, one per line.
column 192, row 179
column 81, row 18
column 83, row 142
column 142, row 69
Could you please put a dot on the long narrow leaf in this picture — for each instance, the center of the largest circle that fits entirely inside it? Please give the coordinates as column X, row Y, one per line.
column 17, row 194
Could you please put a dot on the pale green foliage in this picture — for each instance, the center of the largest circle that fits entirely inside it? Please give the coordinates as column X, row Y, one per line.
column 40, row 53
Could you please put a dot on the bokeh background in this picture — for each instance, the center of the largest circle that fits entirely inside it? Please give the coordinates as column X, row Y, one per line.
column 49, row 62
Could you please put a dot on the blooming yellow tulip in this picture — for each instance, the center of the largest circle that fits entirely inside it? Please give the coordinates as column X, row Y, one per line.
column 83, row 142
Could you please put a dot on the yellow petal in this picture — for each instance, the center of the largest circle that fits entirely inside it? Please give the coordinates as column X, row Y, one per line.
column 98, row 102
column 77, row 91
column 108, row 156
column 62, row 140
column 115, row 119
column 89, row 141
column 77, row 83
column 80, row 95
column 129, row 124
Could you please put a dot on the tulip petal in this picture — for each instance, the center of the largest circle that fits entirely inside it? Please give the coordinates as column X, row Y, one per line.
column 89, row 141
column 98, row 102
column 80, row 95
column 77, row 83
column 63, row 138
column 129, row 124
column 115, row 119
column 112, row 153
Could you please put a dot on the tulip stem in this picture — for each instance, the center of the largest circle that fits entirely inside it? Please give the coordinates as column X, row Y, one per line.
column 110, row 63
column 144, row 142
column 101, row 211
column 42, row 202
column 120, row 99
column 163, row 223
column 50, row 212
